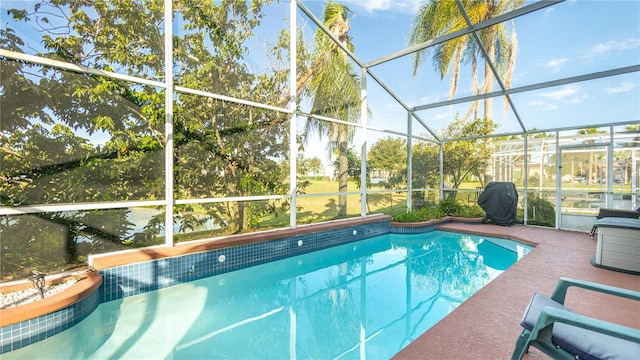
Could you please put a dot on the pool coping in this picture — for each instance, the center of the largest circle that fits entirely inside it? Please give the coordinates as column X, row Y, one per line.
column 486, row 326
column 109, row 260
column 86, row 284
column 29, row 323
column 104, row 281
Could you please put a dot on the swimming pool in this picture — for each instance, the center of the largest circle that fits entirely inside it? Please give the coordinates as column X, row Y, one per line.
column 366, row 299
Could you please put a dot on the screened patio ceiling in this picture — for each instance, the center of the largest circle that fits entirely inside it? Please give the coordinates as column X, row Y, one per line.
column 577, row 65
column 205, row 109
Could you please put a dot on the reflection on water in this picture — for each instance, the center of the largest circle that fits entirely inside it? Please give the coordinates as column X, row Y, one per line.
column 367, row 299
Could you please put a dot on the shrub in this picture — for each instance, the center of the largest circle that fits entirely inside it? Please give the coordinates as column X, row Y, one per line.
column 473, row 211
column 540, row 211
column 446, row 207
column 450, row 206
column 424, row 214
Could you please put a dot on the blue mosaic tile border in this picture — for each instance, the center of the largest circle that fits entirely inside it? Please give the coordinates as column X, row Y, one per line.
column 19, row 335
column 133, row 279
column 412, row 230
column 427, row 227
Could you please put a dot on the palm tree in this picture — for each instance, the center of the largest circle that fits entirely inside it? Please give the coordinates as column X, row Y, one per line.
column 635, row 143
column 439, row 17
column 335, row 90
column 592, row 166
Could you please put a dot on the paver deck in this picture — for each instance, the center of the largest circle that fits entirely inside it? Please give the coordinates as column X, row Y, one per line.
column 487, row 325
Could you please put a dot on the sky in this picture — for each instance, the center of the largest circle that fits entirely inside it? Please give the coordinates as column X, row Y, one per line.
column 573, row 38
column 569, row 39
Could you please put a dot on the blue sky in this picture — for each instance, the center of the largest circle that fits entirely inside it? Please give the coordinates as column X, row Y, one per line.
column 568, row 39
column 572, row 38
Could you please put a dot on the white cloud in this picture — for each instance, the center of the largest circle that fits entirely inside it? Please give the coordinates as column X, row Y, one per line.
column 442, row 116
column 604, row 50
column 430, row 99
column 547, row 11
column 624, row 87
column 393, row 105
column 542, row 105
column 567, row 91
column 555, row 64
column 576, row 99
column 408, row 6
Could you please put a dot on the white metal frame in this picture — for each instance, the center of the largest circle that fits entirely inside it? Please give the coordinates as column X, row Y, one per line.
column 367, row 70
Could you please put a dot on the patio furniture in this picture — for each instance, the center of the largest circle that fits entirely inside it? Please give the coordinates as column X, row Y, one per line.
column 499, row 200
column 619, row 213
column 618, row 246
column 563, row 334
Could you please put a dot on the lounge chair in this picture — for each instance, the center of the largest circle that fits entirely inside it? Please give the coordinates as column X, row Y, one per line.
column 563, row 334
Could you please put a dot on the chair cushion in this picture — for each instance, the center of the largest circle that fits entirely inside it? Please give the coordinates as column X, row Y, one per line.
column 584, row 344
column 536, row 305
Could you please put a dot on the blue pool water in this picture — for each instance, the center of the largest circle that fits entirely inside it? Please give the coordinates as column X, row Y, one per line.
column 367, row 299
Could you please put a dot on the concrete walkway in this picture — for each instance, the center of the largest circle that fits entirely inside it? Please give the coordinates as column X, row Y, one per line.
column 487, row 325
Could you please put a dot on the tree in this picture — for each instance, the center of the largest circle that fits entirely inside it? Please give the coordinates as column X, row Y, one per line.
column 390, row 156
column 50, row 120
column 461, row 157
column 632, row 128
column 439, row 17
column 315, row 165
column 51, row 117
column 626, row 156
column 302, row 165
column 335, row 90
column 593, row 171
column 354, row 168
column 425, row 170
column 467, row 157
column 226, row 149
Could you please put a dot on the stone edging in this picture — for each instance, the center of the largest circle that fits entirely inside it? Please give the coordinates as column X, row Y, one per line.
column 87, row 284
column 445, row 219
column 110, row 260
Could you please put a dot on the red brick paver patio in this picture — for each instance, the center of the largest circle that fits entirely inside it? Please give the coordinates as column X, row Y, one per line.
column 487, row 325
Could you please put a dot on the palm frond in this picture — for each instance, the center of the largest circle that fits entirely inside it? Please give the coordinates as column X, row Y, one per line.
column 433, row 19
column 438, row 17
column 455, row 71
column 474, row 76
column 511, row 55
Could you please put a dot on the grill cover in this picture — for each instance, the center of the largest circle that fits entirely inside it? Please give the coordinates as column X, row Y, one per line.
column 499, row 200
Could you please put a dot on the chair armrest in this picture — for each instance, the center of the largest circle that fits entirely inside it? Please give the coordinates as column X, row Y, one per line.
column 560, row 291
column 551, row 315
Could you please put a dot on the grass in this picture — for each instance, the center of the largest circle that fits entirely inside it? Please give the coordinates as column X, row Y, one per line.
column 322, row 208
column 314, row 209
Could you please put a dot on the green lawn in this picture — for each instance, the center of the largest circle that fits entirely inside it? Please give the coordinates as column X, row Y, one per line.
column 322, row 208
column 313, row 209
